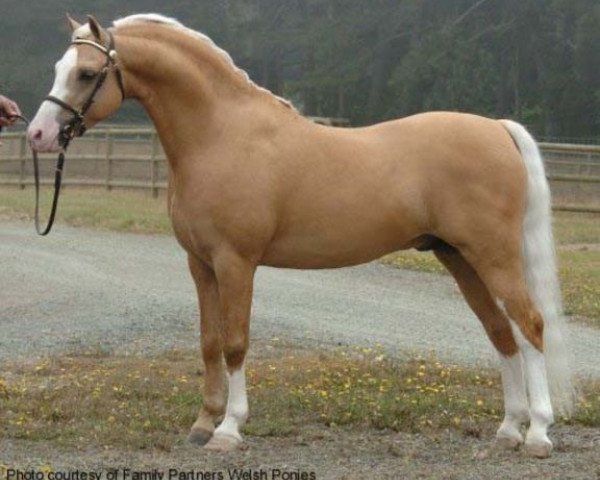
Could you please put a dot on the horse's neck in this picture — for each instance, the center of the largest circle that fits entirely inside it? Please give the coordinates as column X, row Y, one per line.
column 188, row 100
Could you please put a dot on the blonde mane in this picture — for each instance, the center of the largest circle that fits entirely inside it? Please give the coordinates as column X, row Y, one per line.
column 172, row 22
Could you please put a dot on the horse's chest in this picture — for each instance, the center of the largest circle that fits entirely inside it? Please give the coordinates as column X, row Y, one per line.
column 192, row 229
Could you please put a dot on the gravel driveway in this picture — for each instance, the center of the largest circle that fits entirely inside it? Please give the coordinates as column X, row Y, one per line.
column 80, row 290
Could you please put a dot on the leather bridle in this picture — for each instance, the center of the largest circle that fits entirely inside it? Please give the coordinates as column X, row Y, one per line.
column 75, row 126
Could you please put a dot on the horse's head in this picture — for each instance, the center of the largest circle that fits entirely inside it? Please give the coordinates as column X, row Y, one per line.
column 87, row 88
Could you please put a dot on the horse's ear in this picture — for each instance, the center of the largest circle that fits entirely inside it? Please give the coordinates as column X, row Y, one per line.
column 73, row 24
column 95, row 27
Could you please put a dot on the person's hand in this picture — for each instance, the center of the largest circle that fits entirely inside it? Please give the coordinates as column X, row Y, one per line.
column 9, row 111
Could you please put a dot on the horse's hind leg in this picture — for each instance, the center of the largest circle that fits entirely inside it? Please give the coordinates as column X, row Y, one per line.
column 479, row 299
column 504, row 276
column 212, row 352
column 498, row 329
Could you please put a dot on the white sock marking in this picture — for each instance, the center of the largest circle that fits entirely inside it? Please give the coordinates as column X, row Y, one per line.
column 237, row 405
column 540, row 407
column 516, row 409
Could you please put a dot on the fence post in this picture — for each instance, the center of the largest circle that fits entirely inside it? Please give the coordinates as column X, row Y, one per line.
column 22, row 160
column 109, row 158
column 154, row 164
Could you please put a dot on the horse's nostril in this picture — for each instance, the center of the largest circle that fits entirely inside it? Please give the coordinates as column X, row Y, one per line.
column 38, row 135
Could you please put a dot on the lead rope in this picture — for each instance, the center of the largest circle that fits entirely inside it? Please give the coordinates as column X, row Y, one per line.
column 57, row 184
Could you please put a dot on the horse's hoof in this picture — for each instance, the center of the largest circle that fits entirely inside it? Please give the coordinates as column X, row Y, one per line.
column 539, row 449
column 222, row 442
column 199, row 437
column 508, row 437
column 508, row 443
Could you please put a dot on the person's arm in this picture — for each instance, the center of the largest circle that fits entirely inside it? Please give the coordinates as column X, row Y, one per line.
column 9, row 111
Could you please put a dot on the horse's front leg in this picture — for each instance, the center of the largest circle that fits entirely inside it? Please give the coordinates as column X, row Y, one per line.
column 212, row 352
column 235, row 277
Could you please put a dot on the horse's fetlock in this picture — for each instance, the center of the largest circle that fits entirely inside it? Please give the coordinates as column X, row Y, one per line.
column 542, row 415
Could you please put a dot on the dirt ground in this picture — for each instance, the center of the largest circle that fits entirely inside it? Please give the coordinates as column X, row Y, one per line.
column 335, row 453
column 83, row 289
column 318, row 451
column 314, row 451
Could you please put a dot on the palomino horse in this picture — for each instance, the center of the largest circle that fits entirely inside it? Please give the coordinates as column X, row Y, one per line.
column 252, row 182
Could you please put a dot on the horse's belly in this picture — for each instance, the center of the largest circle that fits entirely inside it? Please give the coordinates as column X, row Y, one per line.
column 331, row 248
column 346, row 224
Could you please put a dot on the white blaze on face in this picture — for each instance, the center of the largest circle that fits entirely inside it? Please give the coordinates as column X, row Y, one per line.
column 44, row 128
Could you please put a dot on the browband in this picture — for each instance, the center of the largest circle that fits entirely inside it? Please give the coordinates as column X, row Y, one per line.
column 81, row 41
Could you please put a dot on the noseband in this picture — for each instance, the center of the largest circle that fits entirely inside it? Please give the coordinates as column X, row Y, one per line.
column 75, row 126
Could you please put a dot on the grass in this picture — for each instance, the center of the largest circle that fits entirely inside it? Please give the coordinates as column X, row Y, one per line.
column 580, row 282
column 576, row 228
column 578, row 236
column 121, row 211
column 141, row 403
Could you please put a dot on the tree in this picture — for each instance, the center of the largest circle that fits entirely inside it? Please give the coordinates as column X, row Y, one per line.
column 537, row 61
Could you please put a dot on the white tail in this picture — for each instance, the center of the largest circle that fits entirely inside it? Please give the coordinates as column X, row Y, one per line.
column 540, row 269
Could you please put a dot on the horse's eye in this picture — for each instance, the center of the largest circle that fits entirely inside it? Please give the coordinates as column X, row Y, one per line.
column 87, row 75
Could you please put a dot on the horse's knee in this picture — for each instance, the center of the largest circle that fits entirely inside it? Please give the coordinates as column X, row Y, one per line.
column 235, row 352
